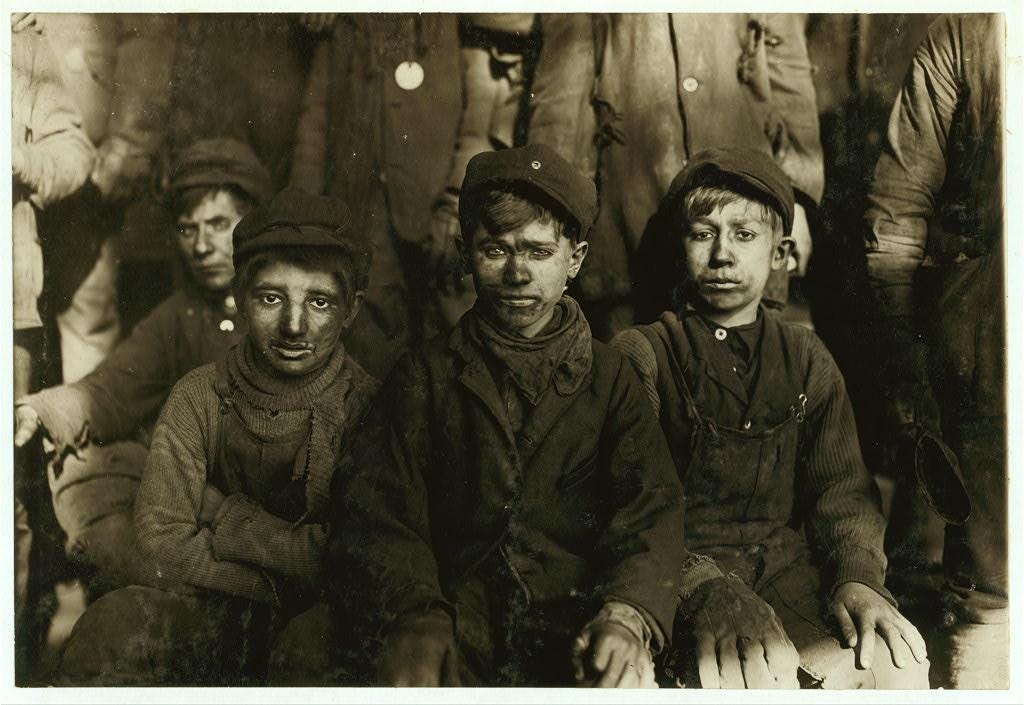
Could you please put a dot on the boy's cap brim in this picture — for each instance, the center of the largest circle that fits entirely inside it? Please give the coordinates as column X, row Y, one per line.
column 719, row 166
column 537, row 166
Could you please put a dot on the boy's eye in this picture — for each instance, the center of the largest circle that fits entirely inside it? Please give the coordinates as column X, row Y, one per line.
column 319, row 302
column 745, row 235
column 541, row 253
column 494, row 252
column 270, row 299
column 187, row 230
column 702, row 234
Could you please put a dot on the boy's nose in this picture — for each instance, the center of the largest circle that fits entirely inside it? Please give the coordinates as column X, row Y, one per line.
column 516, row 272
column 293, row 321
column 721, row 252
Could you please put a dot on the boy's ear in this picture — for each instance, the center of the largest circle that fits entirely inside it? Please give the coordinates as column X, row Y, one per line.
column 579, row 253
column 357, row 303
column 780, row 256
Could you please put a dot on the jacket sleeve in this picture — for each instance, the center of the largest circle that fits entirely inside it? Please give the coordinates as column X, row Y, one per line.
column 840, row 501
column 793, row 101
column 56, row 161
column 122, row 394
column 562, row 115
column 381, row 560
column 169, row 536
column 642, row 549
column 911, row 170
column 245, row 532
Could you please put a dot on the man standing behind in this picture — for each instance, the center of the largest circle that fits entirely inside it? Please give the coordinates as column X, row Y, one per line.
column 935, row 254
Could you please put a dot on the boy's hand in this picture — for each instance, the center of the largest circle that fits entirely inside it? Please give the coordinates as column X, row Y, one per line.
column 803, row 246
column 861, row 612
column 740, row 641
column 420, row 652
column 608, row 655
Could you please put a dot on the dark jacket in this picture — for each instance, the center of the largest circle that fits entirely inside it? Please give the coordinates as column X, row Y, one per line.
column 126, row 391
column 584, row 501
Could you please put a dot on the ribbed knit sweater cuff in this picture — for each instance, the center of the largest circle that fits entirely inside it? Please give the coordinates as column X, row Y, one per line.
column 696, row 571
column 859, row 565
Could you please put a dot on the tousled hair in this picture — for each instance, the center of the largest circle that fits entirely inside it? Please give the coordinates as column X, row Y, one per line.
column 188, row 199
column 704, row 199
column 502, row 210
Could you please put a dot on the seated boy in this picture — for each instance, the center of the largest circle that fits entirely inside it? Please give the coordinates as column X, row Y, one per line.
column 98, row 423
column 231, row 513
column 759, row 424
column 512, row 516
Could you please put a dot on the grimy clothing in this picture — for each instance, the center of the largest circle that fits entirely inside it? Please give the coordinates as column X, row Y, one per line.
column 447, row 503
column 759, row 466
column 270, row 446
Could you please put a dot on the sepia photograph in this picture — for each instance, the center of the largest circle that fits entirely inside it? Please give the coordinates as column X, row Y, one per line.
column 511, row 350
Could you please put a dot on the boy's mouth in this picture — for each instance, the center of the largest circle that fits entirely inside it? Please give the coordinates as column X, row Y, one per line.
column 721, row 284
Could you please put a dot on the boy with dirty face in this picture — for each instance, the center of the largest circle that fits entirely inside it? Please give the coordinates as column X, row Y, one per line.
column 763, row 437
column 513, row 518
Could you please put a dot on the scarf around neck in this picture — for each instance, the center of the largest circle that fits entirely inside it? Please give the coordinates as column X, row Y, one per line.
column 561, row 354
column 323, row 393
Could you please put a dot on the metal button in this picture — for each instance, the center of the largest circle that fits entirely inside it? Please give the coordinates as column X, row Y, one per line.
column 535, row 165
column 721, row 333
column 227, row 326
column 746, row 425
column 690, row 84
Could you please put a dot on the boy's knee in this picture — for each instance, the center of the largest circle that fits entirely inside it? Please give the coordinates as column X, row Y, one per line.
column 115, row 642
column 304, row 652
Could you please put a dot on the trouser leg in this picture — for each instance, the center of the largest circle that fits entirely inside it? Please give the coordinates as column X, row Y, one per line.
column 90, row 327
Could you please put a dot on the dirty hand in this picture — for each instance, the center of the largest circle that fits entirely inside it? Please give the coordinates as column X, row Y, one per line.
column 444, row 229
column 26, row 424
column 861, row 612
column 803, row 246
column 420, row 652
column 740, row 641
column 608, row 655
column 212, row 499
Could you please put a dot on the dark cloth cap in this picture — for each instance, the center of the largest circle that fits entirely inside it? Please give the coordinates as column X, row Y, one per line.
column 219, row 161
column 536, row 165
column 295, row 218
column 731, row 166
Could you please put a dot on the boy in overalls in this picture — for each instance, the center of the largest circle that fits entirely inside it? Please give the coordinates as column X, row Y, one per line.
column 763, row 436
column 231, row 516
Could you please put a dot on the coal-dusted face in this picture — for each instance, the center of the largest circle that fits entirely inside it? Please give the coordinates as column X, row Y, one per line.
column 296, row 315
column 203, row 236
column 521, row 274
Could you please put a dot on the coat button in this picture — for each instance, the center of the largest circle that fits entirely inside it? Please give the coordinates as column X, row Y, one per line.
column 721, row 333
column 746, row 425
column 690, row 84
column 227, row 325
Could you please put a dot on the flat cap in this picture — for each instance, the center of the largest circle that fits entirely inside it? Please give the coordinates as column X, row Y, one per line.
column 219, row 161
column 294, row 218
column 535, row 165
column 736, row 166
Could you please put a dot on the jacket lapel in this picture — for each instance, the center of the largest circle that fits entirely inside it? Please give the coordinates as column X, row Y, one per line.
column 552, row 405
column 477, row 379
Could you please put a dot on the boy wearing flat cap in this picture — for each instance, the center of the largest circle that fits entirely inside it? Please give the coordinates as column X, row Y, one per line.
column 763, row 437
column 512, row 516
column 99, row 425
column 231, row 517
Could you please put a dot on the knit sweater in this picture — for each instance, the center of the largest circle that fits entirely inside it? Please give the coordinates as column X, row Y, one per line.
column 246, row 551
column 836, row 499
